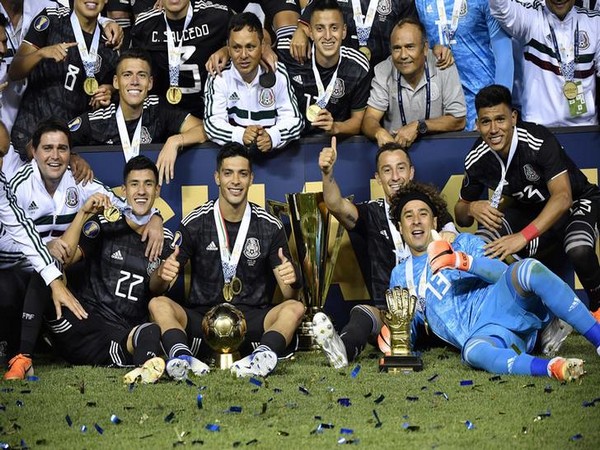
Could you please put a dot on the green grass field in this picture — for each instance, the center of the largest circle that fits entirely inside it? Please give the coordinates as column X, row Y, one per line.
column 306, row 404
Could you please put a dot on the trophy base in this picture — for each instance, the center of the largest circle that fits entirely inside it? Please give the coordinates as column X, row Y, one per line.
column 306, row 338
column 400, row 364
column 224, row 361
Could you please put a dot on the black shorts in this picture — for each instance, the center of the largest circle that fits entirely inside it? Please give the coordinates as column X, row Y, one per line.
column 90, row 341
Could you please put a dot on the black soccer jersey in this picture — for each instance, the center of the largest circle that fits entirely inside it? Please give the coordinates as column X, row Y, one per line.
column 389, row 12
column 539, row 158
column 200, row 245
column 118, row 286
column 373, row 227
column 350, row 91
column 159, row 121
column 206, row 33
column 55, row 90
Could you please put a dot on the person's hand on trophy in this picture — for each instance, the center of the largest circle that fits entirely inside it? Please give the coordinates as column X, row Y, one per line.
column 327, row 157
column 169, row 269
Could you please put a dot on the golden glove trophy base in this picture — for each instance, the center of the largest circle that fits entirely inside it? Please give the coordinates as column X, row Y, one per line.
column 400, row 363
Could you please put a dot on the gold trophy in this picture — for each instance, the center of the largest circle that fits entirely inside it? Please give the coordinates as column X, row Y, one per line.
column 311, row 227
column 398, row 318
column 224, row 328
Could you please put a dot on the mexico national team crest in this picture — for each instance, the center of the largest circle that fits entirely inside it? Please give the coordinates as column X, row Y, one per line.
column 266, row 98
column 384, row 7
column 530, row 173
column 145, row 136
column 72, row 197
column 339, row 88
column 152, row 266
column 252, row 248
column 91, row 229
column 584, row 40
column 41, row 23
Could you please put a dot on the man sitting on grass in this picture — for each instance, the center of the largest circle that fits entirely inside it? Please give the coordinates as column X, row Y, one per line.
column 490, row 311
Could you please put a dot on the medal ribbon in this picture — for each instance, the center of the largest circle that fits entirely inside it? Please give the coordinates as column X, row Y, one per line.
column 567, row 68
column 448, row 29
column 427, row 95
column 323, row 95
column 497, row 195
column 364, row 23
column 173, row 52
column 88, row 58
column 410, row 281
column 230, row 260
column 130, row 148
column 400, row 249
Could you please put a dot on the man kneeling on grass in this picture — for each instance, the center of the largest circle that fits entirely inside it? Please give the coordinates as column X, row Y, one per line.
column 120, row 280
column 490, row 311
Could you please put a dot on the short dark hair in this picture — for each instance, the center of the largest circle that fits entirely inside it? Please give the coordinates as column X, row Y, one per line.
column 391, row 147
column 413, row 190
column 140, row 162
column 327, row 5
column 410, row 21
column 493, row 95
column 135, row 53
column 49, row 126
column 246, row 19
column 231, row 150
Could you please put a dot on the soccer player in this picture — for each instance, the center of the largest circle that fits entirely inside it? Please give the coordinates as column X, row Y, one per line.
column 139, row 118
column 241, row 104
column 551, row 200
column 120, row 280
column 180, row 39
column 561, row 55
column 238, row 252
column 411, row 95
column 68, row 66
column 48, row 193
column 333, row 87
column 482, row 50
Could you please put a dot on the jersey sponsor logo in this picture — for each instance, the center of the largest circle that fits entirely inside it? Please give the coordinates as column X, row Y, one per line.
column 266, row 98
column 72, row 197
column 530, row 173
column 584, row 40
column 177, row 239
column 91, row 229
column 384, row 7
column 152, row 266
column 41, row 23
column 252, row 248
column 117, row 255
column 298, row 79
column 75, row 124
column 212, row 247
column 339, row 88
column 234, row 97
column 32, row 207
column 145, row 136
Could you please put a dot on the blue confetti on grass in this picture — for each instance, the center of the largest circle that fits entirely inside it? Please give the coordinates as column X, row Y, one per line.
column 83, row 428
column 115, row 419
column 432, row 377
column 303, row 390
column 19, row 403
column 344, row 402
column 378, row 422
column 99, row 429
column 32, row 378
column 199, row 401
column 169, row 417
column 443, row 394
column 346, row 431
column 69, row 421
column 213, row 427
column 412, row 399
column 256, row 381
column 470, row 425
column 576, row 437
column 234, row 409
column 379, row 399
column 355, row 371
column 466, row 382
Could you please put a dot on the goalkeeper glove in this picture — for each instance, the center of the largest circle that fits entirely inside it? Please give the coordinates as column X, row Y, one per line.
column 442, row 256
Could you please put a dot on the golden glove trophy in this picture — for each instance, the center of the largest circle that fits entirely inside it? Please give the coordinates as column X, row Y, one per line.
column 398, row 318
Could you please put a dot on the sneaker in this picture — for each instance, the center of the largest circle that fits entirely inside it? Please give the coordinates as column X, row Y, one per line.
column 19, row 367
column 258, row 364
column 178, row 367
column 149, row 373
column 554, row 335
column 329, row 341
column 566, row 369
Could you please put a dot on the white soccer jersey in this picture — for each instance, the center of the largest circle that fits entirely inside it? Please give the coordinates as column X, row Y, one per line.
column 231, row 105
column 51, row 215
column 543, row 100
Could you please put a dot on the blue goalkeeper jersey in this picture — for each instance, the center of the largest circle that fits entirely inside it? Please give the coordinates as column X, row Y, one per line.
column 453, row 298
column 471, row 45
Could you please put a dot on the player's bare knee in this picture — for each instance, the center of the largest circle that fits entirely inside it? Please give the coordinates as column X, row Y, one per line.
column 158, row 306
column 294, row 309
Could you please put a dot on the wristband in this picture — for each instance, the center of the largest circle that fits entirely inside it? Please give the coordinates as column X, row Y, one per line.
column 530, row 232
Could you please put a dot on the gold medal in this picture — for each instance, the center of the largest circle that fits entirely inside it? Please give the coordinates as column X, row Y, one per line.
column 570, row 90
column 112, row 214
column 227, row 294
column 312, row 112
column 90, row 85
column 365, row 51
column 174, row 95
column 236, row 286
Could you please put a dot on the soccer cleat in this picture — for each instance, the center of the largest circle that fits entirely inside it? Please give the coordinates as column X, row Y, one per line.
column 329, row 341
column 19, row 367
column 596, row 315
column 149, row 373
column 257, row 364
column 178, row 367
column 554, row 335
column 566, row 369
